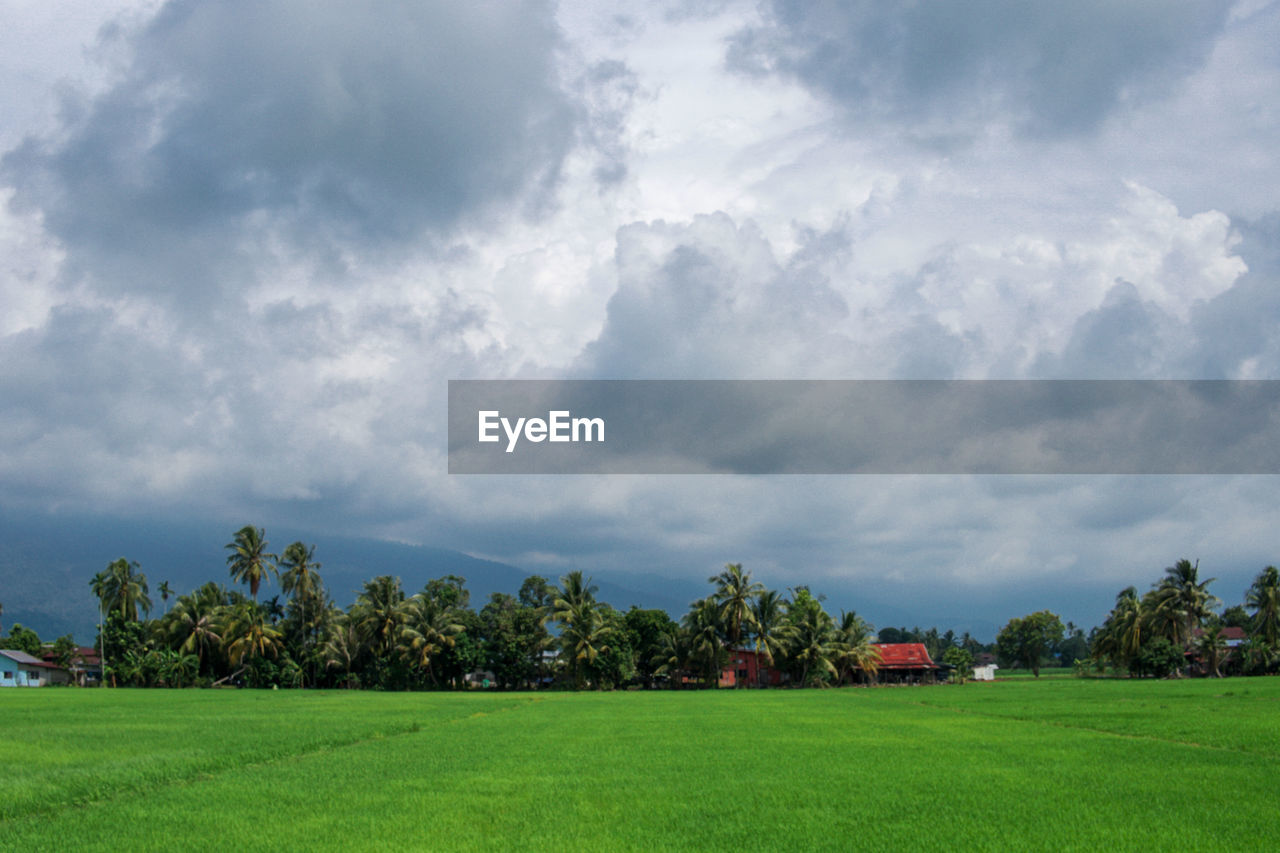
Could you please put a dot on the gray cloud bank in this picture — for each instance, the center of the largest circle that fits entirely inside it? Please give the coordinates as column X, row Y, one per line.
column 240, row 268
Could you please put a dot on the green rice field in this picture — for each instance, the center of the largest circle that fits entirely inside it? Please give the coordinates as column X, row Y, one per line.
column 1043, row 765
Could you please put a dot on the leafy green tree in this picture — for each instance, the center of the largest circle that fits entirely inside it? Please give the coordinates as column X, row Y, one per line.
column 249, row 561
column 1263, row 598
column 538, row 592
column 65, row 652
column 646, row 632
column 122, row 638
column 1073, row 647
column 1029, row 639
column 23, row 639
column 449, row 591
column 1159, row 657
column 962, row 660
column 1235, row 616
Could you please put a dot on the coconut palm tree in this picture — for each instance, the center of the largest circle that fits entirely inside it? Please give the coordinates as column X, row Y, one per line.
column 1210, row 645
column 428, row 630
column 249, row 561
column 192, row 626
column 813, row 643
column 1182, row 593
column 584, row 636
column 300, row 577
column 735, row 592
column 122, row 589
column 249, row 634
column 1264, row 597
column 769, row 634
column 341, row 650
column 857, row 650
column 378, row 615
column 1122, row 635
column 583, row 633
column 165, row 591
column 707, row 650
column 673, row 655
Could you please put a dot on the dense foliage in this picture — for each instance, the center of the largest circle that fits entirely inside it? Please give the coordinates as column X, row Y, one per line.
column 549, row 635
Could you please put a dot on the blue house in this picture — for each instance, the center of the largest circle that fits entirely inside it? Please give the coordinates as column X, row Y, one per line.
column 19, row 669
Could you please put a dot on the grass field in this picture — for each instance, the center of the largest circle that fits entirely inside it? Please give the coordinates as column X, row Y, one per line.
column 1058, row 764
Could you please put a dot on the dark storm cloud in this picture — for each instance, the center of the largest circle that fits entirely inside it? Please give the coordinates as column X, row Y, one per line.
column 361, row 124
column 1048, row 68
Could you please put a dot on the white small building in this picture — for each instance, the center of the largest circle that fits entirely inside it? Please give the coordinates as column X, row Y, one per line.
column 985, row 673
column 19, row 669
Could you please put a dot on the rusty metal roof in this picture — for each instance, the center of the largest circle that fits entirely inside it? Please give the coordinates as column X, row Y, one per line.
column 904, row 656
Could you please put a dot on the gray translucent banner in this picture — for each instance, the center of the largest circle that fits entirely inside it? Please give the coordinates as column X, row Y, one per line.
column 864, row 427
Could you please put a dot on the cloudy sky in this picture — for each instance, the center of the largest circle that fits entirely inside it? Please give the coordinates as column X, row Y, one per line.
column 244, row 245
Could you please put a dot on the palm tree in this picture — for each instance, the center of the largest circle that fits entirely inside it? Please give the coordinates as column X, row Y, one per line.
column 735, row 592
column 342, row 649
column 249, row 634
column 1182, row 592
column 378, row 616
column 858, row 651
column 300, row 578
column 707, row 650
column 122, row 589
column 1121, row 637
column 584, row 636
column 583, row 633
column 673, row 656
column 249, row 561
column 769, row 629
column 1211, row 645
column 192, row 626
column 428, row 630
column 165, row 591
column 812, row 635
column 1264, row 597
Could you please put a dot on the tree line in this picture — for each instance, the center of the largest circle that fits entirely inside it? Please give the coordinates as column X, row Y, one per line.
column 549, row 635
column 1173, row 627
column 545, row 635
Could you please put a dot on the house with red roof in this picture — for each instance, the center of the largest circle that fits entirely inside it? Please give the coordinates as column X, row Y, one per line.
column 908, row 663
